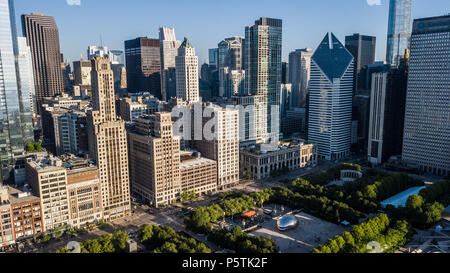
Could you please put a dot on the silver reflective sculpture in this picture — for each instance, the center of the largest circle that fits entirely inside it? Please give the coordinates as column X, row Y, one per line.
column 287, row 222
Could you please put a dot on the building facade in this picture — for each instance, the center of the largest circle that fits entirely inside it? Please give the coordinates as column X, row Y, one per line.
column 330, row 99
column 155, row 160
column 362, row 48
column 108, row 143
column 427, row 126
column 187, row 73
column 84, row 192
column 299, row 75
column 262, row 65
column 43, row 38
column 169, row 50
column 48, row 179
column 387, row 112
column 143, row 64
column 223, row 146
column 399, row 30
column 261, row 164
column 198, row 174
column 16, row 90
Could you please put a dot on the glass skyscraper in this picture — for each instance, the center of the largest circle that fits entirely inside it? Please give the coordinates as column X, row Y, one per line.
column 262, row 64
column 399, row 30
column 15, row 124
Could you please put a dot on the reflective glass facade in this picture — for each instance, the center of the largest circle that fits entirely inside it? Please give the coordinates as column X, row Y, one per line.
column 399, row 30
column 12, row 139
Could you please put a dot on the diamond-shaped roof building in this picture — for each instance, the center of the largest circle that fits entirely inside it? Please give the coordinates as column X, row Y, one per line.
column 332, row 57
column 186, row 43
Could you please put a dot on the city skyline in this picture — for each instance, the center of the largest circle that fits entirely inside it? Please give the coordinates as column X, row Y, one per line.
column 112, row 32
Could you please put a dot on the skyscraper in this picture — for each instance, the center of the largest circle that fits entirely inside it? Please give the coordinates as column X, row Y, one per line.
column 362, row 48
column 16, row 90
column 43, row 38
column 155, row 159
column 330, row 99
column 262, row 64
column 399, row 30
column 230, row 53
column 187, row 72
column 426, row 141
column 387, row 113
column 108, row 142
column 143, row 66
column 214, row 57
column 299, row 75
column 169, row 50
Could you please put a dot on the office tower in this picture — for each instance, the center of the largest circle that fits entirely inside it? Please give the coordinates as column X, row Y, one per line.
column 16, row 90
column 262, row 64
column 97, row 51
column 223, row 146
column 387, row 112
column 360, row 119
column 285, row 98
column 117, row 57
column 143, row 66
column 399, row 30
column 284, row 73
column 426, row 141
column 27, row 99
column 230, row 53
column 65, row 67
column 232, row 82
column 169, row 50
column 299, row 75
column 43, row 38
column 120, row 76
column 82, row 74
column 155, row 160
column 362, row 48
column 41, row 175
column 214, row 57
column 187, row 72
column 330, row 99
column 108, row 142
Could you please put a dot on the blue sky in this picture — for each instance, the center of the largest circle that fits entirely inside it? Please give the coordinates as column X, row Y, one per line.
column 206, row 22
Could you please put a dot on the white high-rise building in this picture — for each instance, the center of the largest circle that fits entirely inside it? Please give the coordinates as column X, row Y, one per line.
column 330, row 101
column 223, row 146
column 169, row 50
column 299, row 75
column 187, row 73
column 426, row 141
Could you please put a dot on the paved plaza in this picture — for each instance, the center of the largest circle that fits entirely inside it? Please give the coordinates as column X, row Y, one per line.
column 307, row 235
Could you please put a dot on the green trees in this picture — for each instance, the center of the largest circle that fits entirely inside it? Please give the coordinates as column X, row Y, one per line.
column 188, row 196
column 241, row 242
column 163, row 239
column 33, row 147
column 378, row 229
column 107, row 243
column 439, row 192
column 417, row 212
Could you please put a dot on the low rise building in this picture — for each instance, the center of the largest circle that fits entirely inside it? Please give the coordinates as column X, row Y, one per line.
column 48, row 180
column 198, row 174
column 261, row 163
column 83, row 186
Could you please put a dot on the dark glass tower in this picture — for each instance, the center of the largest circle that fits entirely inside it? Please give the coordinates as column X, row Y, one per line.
column 43, row 39
column 143, row 66
column 363, row 50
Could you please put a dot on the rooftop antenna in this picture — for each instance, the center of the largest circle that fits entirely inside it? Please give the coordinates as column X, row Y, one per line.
column 101, row 40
